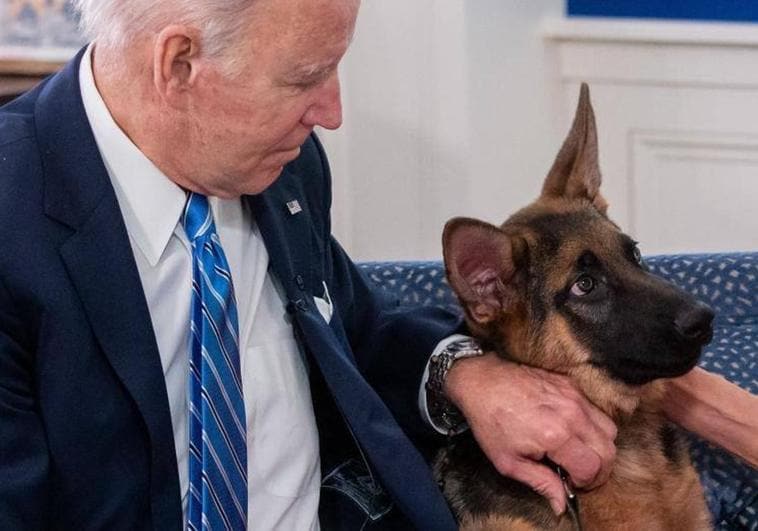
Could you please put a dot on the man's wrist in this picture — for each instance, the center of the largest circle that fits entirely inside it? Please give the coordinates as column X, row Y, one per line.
column 442, row 411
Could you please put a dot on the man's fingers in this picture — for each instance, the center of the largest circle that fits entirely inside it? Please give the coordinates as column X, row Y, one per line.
column 602, row 421
column 579, row 460
column 600, row 436
column 539, row 477
column 606, row 454
column 596, row 432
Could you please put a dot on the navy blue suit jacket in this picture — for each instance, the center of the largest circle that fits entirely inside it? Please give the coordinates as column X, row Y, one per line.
column 86, row 439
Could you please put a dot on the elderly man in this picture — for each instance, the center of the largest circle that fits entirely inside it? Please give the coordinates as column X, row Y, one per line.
column 182, row 342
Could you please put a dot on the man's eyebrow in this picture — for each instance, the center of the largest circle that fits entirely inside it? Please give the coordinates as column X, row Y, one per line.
column 314, row 69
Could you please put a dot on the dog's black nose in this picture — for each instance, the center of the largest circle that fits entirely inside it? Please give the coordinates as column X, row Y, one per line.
column 694, row 323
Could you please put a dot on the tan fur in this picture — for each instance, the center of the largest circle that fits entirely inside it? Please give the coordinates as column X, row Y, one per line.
column 648, row 489
column 556, row 342
column 553, row 347
column 645, row 491
column 494, row 522
column 644, row 486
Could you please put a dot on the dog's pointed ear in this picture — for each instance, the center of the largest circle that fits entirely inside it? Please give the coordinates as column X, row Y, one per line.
column 480, row 265
column 576, row 170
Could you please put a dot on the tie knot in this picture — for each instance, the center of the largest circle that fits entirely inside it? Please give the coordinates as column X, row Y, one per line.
column 197, row 218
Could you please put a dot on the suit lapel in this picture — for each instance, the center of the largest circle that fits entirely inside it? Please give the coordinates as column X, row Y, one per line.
column 289, row 242
column 287, row 235
column 99, row 260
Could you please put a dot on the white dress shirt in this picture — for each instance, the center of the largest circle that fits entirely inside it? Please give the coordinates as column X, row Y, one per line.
column 282, row 441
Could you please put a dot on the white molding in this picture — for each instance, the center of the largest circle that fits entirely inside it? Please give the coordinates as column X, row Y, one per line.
column 639, row 31
column 675, row 54
column 709, row 145
column 648, row 64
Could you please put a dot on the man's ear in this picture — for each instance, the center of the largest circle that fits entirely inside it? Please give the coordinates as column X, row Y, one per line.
column 480, row 267
column 175, row 63
column 576, row 170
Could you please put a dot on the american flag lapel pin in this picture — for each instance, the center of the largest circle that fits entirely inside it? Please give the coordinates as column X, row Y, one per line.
column 294, row 207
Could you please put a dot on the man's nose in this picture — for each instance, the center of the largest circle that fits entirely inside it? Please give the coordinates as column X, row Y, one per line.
column 326, row 111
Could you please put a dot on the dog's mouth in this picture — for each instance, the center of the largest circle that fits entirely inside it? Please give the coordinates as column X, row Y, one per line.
column 706, row 337
column 639, row 372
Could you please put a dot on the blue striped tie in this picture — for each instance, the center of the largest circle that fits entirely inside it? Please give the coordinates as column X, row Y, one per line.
column 218, row 456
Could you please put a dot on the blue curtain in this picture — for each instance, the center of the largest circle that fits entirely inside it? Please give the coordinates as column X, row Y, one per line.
column 723, row 10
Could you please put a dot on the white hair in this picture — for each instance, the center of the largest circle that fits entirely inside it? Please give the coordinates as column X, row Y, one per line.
column 115, row 23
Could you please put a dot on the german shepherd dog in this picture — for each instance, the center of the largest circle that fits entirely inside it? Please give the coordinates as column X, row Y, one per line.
column 558, row 286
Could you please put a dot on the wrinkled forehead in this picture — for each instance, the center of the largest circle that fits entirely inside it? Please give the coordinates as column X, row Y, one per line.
column 302, row 22
column 301, row 35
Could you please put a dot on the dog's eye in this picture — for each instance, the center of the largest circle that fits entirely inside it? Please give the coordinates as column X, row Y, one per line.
column 584, row 285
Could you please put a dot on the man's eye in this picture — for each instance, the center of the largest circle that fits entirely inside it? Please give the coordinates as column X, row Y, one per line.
column 584, row 285
column 312, row 81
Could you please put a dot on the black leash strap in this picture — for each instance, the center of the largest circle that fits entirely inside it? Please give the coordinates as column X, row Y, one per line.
column 572, row 501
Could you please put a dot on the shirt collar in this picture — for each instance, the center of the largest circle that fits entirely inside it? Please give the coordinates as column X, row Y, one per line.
column 150, row 202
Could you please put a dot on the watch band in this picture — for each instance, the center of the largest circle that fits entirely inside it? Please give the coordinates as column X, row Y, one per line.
column 442, row 412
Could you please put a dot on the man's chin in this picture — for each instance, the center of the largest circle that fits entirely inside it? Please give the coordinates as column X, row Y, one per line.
column 262, row 180
column 284, row 157
column 257, row 179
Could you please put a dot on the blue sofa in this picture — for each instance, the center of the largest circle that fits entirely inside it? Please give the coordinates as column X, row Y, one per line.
column 729, row 284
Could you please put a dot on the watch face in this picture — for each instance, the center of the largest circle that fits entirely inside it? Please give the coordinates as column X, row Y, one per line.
column 465, row 348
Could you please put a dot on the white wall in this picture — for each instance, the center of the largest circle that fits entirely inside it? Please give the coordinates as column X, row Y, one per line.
column 457, row 107
column 449, row 110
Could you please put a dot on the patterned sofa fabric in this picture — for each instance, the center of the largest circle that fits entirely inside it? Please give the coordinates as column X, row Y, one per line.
column 728, row 283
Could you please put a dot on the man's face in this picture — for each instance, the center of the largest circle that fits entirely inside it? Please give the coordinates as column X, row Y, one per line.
column 244, row 129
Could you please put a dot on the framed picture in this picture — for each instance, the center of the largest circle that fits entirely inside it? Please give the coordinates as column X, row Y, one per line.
column 37, row 36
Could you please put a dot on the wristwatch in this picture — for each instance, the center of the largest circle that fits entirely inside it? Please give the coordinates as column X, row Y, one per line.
column 442, row 412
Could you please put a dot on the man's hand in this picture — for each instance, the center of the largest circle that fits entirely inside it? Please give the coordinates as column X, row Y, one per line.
column 520, row 415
